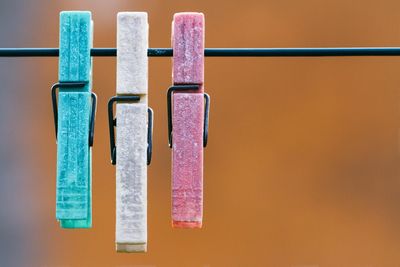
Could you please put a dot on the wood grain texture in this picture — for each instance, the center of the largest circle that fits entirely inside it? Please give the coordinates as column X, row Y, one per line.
column 131, row 183
column 187, row 160
column 188, row 45
column 73, row 206
column 187, row 121
column 132, row 60
column 131, row 133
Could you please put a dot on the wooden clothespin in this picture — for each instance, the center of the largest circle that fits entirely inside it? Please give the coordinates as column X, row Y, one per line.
column 188, row 108
column 74, row 121
column 131, row 152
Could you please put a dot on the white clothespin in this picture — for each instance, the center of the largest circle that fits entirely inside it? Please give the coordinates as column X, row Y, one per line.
column 131, row 152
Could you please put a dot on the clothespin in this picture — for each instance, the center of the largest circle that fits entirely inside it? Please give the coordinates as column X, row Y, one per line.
column 74, row 120
column 131, row 152
column 188, row 109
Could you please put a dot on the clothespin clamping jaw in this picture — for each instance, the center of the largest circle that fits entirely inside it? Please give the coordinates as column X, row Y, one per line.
column 188, row 113
column 131, row 148
column 74, row 117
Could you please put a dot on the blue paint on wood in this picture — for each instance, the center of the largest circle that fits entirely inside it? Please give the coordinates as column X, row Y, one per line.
column 74, row 197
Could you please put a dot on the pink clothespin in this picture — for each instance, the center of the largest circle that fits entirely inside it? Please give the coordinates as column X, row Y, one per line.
column 188, row 109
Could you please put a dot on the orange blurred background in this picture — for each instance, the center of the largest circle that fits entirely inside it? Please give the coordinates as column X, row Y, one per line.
column 302, row 164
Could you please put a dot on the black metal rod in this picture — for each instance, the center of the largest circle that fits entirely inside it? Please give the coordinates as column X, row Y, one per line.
column 222, row 52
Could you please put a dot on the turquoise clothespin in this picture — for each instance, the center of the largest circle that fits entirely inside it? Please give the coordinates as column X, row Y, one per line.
column 74, row 121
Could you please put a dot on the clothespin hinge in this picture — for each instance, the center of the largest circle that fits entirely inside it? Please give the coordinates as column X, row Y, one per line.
column 66, row 85
column 187, row 87
column 112, row 122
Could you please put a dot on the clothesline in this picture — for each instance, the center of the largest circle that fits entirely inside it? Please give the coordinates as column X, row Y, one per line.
column 222, row 52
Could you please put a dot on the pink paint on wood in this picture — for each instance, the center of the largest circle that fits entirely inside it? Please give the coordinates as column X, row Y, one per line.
column 187, row 121
column 187, row 159
column 188, row 46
